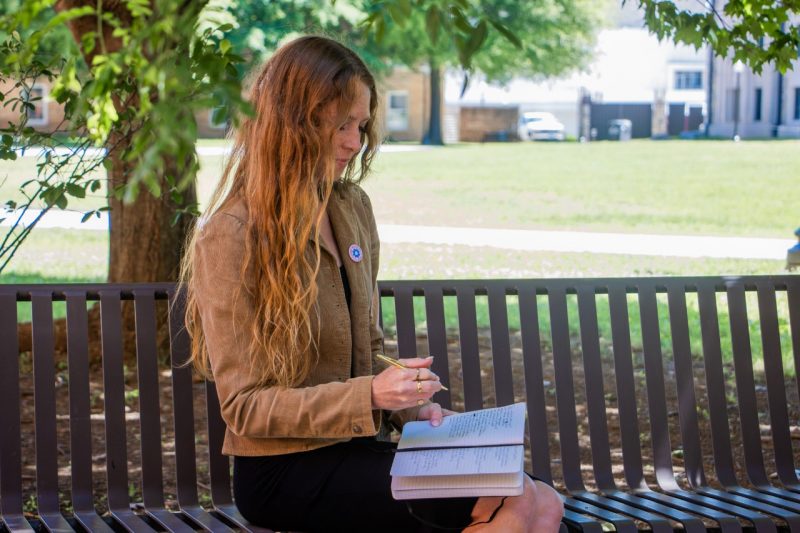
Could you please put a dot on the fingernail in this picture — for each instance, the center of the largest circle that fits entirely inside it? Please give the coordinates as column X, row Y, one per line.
column 436, row 422
column 429, row 357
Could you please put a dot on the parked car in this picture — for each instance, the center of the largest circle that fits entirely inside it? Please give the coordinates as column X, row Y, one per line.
column 540, row 126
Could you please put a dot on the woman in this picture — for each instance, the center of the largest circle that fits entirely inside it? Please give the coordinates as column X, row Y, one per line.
column 283, row 313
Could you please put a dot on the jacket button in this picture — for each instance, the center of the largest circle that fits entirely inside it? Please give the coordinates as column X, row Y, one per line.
column 357, row 429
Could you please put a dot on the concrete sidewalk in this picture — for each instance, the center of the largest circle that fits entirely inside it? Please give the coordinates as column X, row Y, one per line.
column 528, row 240
column 590, row 242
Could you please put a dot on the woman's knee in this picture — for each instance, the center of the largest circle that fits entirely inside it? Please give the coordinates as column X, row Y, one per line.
column 548, row 502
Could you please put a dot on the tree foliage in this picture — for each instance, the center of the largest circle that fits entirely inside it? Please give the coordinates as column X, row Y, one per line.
column 134, row 78
column 755, row 32
column 133, row 103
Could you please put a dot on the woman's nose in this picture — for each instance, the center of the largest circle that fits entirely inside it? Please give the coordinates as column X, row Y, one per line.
column 352, row 140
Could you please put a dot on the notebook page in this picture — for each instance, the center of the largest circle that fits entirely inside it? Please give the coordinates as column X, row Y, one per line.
column 500, row 425
column 434, row 462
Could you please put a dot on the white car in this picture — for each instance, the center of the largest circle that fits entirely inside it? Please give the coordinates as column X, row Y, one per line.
column 539, row 126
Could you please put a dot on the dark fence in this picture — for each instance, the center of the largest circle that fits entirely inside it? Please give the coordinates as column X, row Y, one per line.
column 639, row 114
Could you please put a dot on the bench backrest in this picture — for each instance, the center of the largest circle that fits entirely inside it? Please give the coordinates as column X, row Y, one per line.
column 593, row 353
column 551, row 343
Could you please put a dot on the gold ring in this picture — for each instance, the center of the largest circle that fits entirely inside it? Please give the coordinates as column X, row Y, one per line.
column 419, row 387
column 417, row 378
column 420, row 402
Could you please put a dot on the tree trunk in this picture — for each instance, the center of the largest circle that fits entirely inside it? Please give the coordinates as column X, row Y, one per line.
column 144, row 245
column 434, row 135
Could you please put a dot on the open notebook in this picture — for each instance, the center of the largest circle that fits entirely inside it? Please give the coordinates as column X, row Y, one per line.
column 479, row 453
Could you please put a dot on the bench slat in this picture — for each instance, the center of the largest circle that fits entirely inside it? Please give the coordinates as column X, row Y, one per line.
column 565, row 389
column 790, row 516
column 745, row 385
column 760, row 521
column 626, row 392
column 715, row 385
column 684, row 381
column 690, row 522
column 406, row 326
column 793, row 296
column 621, row 523
column 10, row 420
column 657, row 523
column 230, row 512
column 534, row 382
column 726, row 522
column 80, row 424
column 656, row 391
column 437, row 342
column 114, row 400
column 595, row 392
column 776, row 388
column 501, row 345
column 149, row 403
column 470, row 355
column 44, row 377
column 183, row 415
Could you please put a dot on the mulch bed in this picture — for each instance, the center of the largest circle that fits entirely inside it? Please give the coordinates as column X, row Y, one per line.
column 98, row 438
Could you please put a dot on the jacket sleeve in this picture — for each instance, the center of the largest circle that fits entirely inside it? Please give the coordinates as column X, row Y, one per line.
column 330, row 410
column 400, row 417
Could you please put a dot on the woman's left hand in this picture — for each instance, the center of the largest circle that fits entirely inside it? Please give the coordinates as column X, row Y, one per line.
column 434, row 413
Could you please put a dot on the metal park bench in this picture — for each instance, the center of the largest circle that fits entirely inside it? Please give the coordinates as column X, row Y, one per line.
column 599, row 362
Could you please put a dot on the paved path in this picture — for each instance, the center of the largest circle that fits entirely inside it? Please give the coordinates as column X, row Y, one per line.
column 581, row 241
column 528, row 240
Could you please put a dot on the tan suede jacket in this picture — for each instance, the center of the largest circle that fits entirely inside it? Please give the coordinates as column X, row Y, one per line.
column 333, row 405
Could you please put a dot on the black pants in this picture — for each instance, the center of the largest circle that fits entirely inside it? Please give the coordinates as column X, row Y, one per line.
column 341, row 487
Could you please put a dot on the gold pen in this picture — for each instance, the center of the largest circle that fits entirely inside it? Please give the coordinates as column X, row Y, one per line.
column 398, row 364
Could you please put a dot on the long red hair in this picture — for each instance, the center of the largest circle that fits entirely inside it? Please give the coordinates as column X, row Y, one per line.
column 282, row 167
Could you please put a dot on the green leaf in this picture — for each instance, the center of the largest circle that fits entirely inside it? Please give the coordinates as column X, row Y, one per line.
column 433, row 19
column 61, row 201
column 224, row 46
column 76, row 190
column 505, row 32
column 460, row 20
column 477, row 38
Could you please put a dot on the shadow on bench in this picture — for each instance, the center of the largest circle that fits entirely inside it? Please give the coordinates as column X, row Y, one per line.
column 652, row 402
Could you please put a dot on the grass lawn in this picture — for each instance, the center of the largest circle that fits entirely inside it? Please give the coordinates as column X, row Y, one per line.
column 667, row 187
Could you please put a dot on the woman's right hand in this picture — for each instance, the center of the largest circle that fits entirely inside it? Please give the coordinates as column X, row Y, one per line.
column 399, row 388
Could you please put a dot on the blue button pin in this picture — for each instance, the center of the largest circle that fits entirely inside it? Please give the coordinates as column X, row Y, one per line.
column 355, row 253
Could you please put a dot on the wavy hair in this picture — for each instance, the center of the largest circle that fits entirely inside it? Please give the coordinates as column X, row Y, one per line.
column 282, row 167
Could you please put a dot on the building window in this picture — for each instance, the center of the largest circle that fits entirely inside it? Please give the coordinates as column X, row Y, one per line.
column 757, row 106
column 397, row 110
column 797, row 103
column 688, row 80
column 35, row 96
